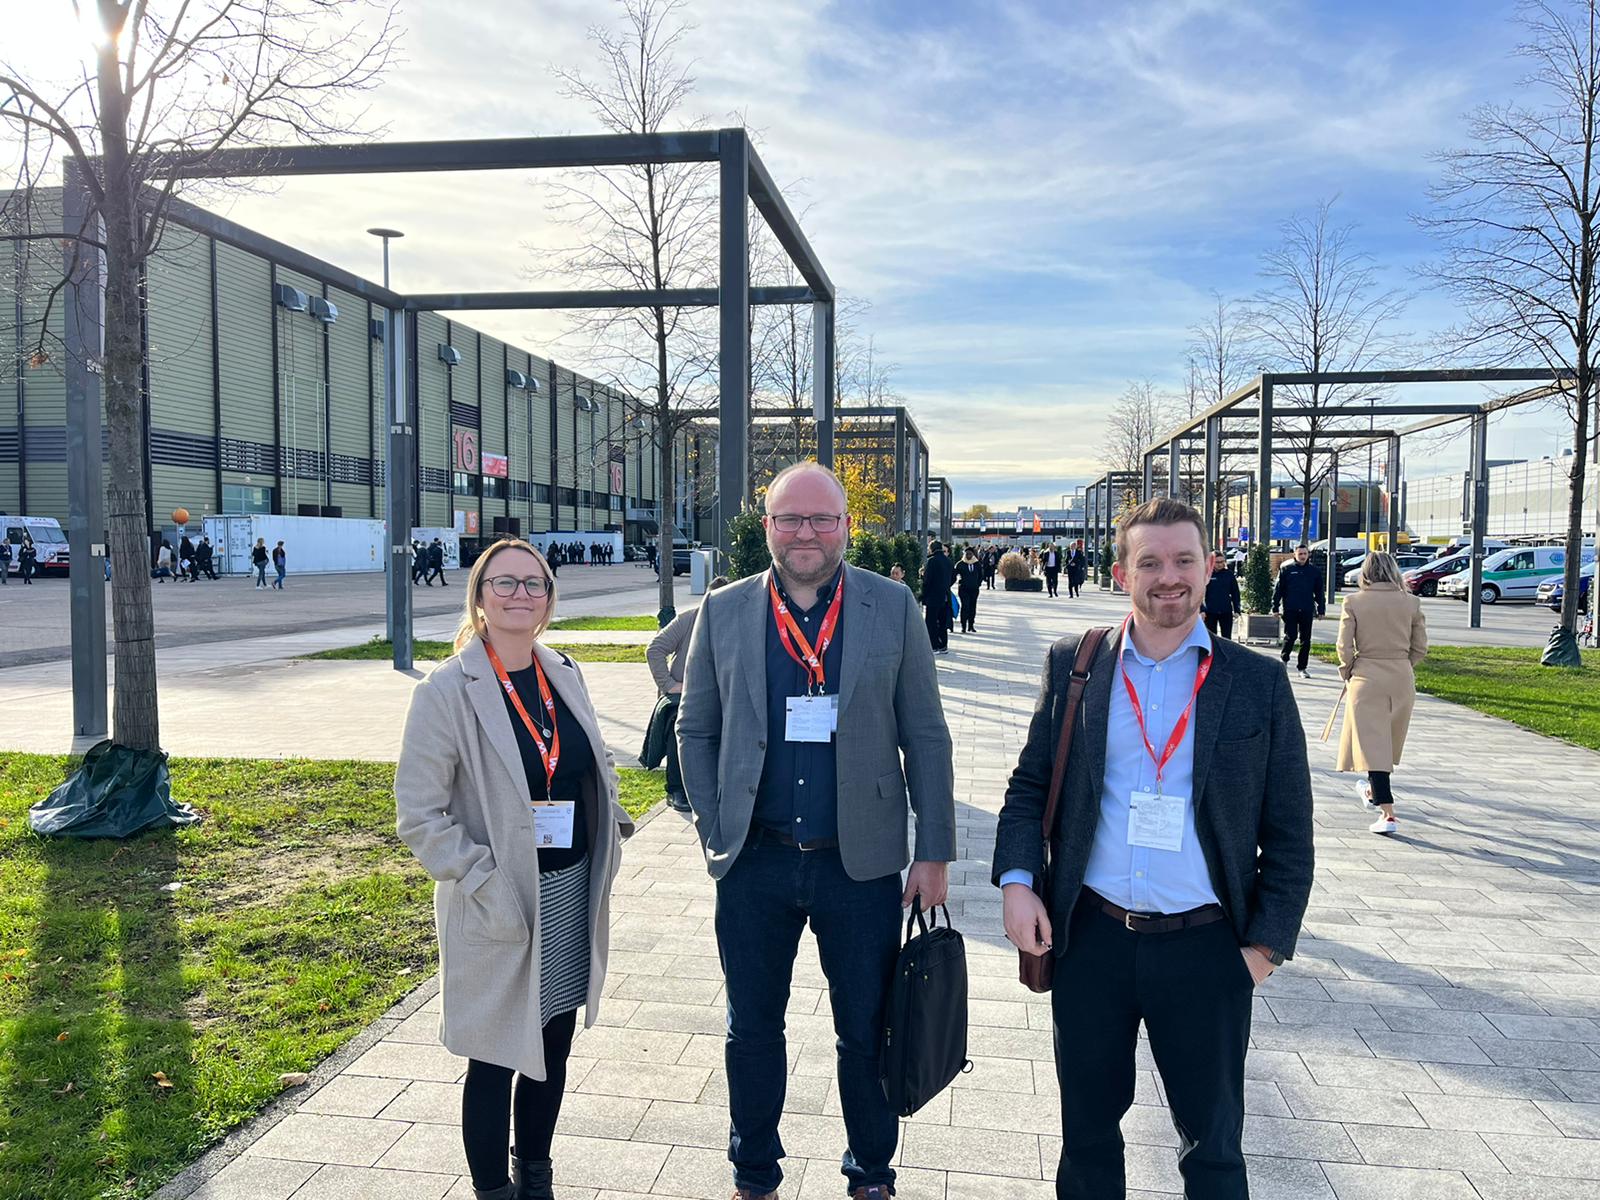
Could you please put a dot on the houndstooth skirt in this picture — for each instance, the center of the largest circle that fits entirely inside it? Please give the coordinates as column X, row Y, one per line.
column 564, row 940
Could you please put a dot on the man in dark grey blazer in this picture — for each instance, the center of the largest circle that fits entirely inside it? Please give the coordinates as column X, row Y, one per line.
column 804, row 686
column 1181, row 862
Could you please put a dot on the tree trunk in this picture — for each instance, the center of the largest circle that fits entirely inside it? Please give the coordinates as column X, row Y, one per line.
column 135, row 716
column 1571, row 570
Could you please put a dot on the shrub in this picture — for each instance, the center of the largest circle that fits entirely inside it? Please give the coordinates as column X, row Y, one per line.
column 747, row 550
column 906, row 552
column 869, row 552
column 1258, row 579
column 1014, row 566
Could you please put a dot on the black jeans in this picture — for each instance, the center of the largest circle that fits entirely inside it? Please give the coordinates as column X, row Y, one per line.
column 1220, row 624
column 969, row 609
column 1382, row 793
column 1193, row 990
column 1297, row 623
column 486, row 1096
column 674, row 768
column 1052, row 580
column 937, row 619
column 763, row 904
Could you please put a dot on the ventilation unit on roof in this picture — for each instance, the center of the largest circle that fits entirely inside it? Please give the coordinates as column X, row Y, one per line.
column 449, row 355
column 375, row 329
column 324, row 310
column 291, row 298
column 516, row 379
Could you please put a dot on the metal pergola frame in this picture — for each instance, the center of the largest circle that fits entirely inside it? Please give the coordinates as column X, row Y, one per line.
column 743, row 179
column 1267, row 436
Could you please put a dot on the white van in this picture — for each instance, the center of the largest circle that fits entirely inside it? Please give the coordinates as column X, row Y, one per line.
column 1514, row 573
column 49, row 541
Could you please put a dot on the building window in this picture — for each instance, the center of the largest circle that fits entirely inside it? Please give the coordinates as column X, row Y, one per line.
column 494, row 488
column 566, row 495
column 240, row 499
column 463, row 484
column 541, row 493
column 616, row 504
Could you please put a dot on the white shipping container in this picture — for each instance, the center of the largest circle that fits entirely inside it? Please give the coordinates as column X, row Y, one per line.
column 449, row 538
column 314, row 545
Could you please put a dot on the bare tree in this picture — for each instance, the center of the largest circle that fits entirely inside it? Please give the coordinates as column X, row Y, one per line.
column 1217, row 369
column 1141, row 415
column 1518, row 213
column 168, row 86
column 647, row 227
column 1323, row 309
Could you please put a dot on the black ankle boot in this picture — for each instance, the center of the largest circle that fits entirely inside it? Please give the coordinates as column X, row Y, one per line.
column 532, row 1178
column 506, row 1191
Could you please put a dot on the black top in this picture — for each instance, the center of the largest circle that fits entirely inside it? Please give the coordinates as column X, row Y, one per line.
column 937, row 577
column 799, row 791
column 968, row 576
column 1299, row 589
column 258, row 555
column 1222, row 592
column 577, row 760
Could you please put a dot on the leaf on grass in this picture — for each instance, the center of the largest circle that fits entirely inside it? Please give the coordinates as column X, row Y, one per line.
column 161, row 1079
column 293, row 1079
column 64, row 1091
column 62, row 1036
column 323, row 1006
column 403, row 971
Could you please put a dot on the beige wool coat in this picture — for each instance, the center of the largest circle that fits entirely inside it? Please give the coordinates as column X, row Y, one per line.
column 1382, row 636
column 461, row 799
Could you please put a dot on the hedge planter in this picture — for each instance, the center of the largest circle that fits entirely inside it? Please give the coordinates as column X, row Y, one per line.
column 1262, row 627
column 1024, row 585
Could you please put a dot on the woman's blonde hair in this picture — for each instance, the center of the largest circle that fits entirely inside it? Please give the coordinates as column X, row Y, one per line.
column 1379, row 567
column 472, row 616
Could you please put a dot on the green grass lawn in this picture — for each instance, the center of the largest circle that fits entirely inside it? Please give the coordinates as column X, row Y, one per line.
column 638, row 624
column 379, row 649
column 139, row 1024
column 1508, row 682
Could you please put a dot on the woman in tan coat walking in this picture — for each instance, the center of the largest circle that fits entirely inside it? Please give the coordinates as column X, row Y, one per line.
column 507, row 794
column 1382, row 637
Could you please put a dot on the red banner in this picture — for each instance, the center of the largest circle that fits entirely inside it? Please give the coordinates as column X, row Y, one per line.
column 497, row 465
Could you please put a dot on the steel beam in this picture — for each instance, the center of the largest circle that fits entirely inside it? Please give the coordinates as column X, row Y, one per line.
column 1479, row 468
column 1213, row 480
column 1147, row 490
column 1330, row 560
column 1392, row 486
column 665, row 298
column 1447, row 375
column 899, row 470
column 1263, row 514
column 769, row 201
column 398, row 473
column 922, row 484
column 1175, row 452
column 733, row 466
column 823, row 348
column 82, row 317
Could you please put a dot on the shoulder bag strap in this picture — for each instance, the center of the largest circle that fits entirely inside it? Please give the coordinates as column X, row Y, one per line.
column 1088, row 647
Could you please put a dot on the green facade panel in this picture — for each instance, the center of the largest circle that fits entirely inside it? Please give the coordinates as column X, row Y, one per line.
column 539, row 410
column 172, row 487
column 349, row 413
column 178, row 322
column 244, row 330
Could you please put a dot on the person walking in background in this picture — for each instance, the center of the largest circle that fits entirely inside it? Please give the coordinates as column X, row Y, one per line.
column 1382, row 637
column 991, row 563
column 5, row 561
column 1077, row 569
column 805, row 685
column 937, row 577
column 419, row 561
column 1050, row 560
column 507, row 794
column 666, row 655
column 1222, row 600
column 186, row 569
column 163, row 571
column 435, row 564
column 280, row 564
column 1299, row 593
column 28, row 559
column 259, row 559
column 969, row 579
column 205, row 559
column 1181, row 862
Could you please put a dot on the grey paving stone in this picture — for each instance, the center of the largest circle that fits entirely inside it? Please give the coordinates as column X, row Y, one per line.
column 428, row 1148
column 1560, row 1157
column 251, row 1177
column 607, row 1164
column 1573, row 1120
column 1438, row 1149
column 352, row 1183
column 1582, row 1086
column 1575, row 1029
column 426, row 1101
column 1571, row 1056
column 1462, row 1079
column 311, row 1137
column 1380, row 1073
column 1286, row 1178
column 1352, row 1182
column 1482, row 1114
column 1528, row 1187
column 353, row 1096
column 650, row 1081
column 976, row 1151
column 1324, row 1141
column 402, row 1060
column 1425, row 1047
column 1313, row 1103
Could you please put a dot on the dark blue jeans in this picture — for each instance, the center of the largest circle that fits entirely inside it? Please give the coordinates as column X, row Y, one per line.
column 763, row 904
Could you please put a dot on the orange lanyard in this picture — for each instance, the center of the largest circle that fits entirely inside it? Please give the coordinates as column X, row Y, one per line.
column 789, row 633
column 551, row 754
column 1138, row 712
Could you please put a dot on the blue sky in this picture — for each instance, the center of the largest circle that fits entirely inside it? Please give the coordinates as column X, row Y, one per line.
column 1037, row 198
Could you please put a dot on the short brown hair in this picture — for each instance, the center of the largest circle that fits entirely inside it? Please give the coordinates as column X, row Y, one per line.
column 1163, row 510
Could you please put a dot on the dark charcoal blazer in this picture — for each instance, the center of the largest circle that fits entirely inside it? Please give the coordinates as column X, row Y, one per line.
column 1251, row 780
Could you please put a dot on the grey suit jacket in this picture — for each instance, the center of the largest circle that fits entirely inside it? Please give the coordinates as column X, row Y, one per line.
column 1252, row 789
column 888, row 704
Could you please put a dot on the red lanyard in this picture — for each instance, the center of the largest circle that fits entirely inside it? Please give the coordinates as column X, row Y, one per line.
column 551, row 754
column 789, row 633
column 1138, row 712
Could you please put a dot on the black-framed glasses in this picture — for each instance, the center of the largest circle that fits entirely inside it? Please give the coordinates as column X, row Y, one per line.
column 820, row 522
column 505, row 586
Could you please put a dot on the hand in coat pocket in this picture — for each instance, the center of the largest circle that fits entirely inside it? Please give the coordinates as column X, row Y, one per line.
column 492, row 914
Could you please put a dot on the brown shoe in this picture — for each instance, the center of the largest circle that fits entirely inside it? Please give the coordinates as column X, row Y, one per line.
column 747, row 1194
column 875, row 1191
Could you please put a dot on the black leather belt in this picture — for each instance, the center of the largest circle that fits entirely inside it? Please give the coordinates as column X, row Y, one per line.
column 766, row 833
column 1206, row 914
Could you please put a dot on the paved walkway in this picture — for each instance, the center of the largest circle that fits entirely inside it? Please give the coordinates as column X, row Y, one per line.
column 1436, row 1037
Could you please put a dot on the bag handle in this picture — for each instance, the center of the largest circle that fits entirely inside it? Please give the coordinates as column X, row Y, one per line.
column 926, row 920
column 1088, row 647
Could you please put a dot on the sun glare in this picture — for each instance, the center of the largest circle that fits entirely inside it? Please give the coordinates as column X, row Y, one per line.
column 59, row 42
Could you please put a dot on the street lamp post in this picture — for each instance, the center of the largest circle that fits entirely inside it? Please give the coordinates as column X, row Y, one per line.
column 397, row 494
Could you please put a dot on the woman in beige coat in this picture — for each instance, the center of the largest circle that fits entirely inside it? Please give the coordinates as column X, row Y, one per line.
column 507, row 794
column 1382, row 636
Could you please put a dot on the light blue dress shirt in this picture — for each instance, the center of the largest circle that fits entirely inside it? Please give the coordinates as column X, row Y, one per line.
column 1134, row 877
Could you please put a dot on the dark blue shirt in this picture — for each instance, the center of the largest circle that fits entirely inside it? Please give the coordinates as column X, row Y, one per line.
column 799, row 792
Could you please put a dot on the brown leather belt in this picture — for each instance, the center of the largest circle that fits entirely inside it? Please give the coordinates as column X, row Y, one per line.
column 766, row 833
column 1206, row 914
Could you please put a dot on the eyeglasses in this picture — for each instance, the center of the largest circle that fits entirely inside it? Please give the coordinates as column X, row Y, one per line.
column 505, row 586
column 820, row 522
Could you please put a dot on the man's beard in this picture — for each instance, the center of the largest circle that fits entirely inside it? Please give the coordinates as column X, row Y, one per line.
column 1165, row 615
column 812, row 577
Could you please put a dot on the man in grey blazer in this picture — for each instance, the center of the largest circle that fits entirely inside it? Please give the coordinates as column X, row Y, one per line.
column 1181, row 862
column 805, row 685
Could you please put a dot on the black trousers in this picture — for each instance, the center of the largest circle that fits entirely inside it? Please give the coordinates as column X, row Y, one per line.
column 1382, row 792
column 937, row 618
column 1297, row 623
column 1052, row 580
column 1192, row 989
column 1220, row 624
column 486, row 1096
column 969, row 608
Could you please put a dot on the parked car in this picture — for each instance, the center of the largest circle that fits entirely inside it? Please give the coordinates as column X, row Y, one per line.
column 680, row 557
column 1460, row 545
column 1513, row 574
column 1406, row 561
column 1551, row 590
column 1425, row 580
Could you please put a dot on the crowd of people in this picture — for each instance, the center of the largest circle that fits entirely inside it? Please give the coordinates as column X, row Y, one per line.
column 599, row 554
column 809, row 729
column 27, row 559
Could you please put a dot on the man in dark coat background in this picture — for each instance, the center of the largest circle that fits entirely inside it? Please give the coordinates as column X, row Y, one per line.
column 938, row 576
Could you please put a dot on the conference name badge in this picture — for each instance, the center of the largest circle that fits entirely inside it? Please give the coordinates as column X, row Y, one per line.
column 810, row 718
column 1155, row 821
column 552, row 823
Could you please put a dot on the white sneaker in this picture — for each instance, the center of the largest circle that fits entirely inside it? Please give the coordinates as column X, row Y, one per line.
column 1384, row 825
column 1304, row 673
column 1364, row 791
